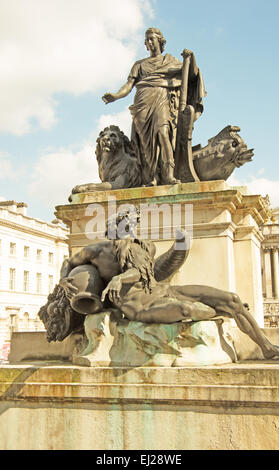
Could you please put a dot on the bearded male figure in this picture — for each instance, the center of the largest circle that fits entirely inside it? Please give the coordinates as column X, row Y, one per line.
column 132, row 277
column 157, row 80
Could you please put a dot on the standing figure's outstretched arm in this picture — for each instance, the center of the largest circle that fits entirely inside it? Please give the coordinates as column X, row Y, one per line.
column 122, row 92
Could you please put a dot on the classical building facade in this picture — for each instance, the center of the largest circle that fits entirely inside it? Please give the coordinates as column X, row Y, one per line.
column 270, row 270
column 31, row 254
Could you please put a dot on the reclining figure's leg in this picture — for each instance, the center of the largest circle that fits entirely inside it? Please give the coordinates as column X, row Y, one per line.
column 230, row 304
column 166, row 310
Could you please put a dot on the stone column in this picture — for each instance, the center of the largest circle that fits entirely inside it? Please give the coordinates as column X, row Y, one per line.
column 263, row 274
column 275, row 272
column 268, row 273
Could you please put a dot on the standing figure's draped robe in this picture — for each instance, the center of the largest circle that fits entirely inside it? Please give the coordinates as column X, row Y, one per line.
column 158, row 81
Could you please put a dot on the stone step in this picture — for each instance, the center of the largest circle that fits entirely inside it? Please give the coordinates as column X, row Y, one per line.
column 234, row 384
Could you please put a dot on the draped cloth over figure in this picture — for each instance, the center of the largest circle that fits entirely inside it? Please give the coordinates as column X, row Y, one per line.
column 158, row 81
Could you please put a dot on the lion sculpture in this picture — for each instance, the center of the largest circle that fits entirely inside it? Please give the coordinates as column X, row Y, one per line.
column 117, row 161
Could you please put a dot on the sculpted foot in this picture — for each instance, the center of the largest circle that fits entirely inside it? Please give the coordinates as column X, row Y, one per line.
column 152, row 183
column 271, row 352
column 175, row 181
column 172, row 181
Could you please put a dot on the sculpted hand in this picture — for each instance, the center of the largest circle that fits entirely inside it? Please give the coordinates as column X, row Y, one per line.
column 186, row 53
column 68, row 287
column 109, row 98
column 113, row 290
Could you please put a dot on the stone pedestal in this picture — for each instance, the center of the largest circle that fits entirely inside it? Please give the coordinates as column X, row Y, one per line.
column 170, row 350
column 60, row 407
column 115, row 342
column 223, row 221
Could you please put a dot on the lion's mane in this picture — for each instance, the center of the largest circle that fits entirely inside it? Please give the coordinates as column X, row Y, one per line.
column 122, row 160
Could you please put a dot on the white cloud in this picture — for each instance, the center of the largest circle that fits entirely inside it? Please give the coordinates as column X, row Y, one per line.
column 123, row 120
column 57, row 173
column 69, row 46
column 262, row 186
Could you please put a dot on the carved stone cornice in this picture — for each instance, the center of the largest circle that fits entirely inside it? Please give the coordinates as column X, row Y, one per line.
column 244, row 232
column 31, row 231
column 256, row 206
column 270, row 248
column 271, row 238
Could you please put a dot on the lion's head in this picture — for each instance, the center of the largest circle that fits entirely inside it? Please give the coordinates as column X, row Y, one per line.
column 110, row 141
column 117, row 159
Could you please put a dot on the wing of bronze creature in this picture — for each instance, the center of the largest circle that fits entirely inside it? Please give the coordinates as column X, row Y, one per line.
column 169, row 262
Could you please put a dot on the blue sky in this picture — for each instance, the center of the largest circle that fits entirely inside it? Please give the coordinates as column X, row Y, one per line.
column 57, row 65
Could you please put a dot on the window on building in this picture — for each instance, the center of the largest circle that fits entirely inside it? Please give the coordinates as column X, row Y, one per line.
column 26, row 281
column 26, row 251
column 39, row 283
column 13, row 322
column 50, row 283
column 50, row 258
column 12, row 279
column 39, row 255
column 12, row 249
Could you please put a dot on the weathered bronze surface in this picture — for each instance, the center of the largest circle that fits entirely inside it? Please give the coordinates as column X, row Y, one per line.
column 156, row 107
column 121, row 273
column 168, row 100
column 118, row 163
column 224, row 152
column 127, row 268
column 120, row 168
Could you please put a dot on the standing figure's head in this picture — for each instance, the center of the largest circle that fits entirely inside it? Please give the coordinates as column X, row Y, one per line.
column 154, row 34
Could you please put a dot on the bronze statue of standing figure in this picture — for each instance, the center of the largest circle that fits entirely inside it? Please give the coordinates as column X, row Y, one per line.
column 168, row 100
column 158, row 80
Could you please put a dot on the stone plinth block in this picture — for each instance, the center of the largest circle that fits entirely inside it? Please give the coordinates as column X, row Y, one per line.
column 113, row 341
column 33, row 346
